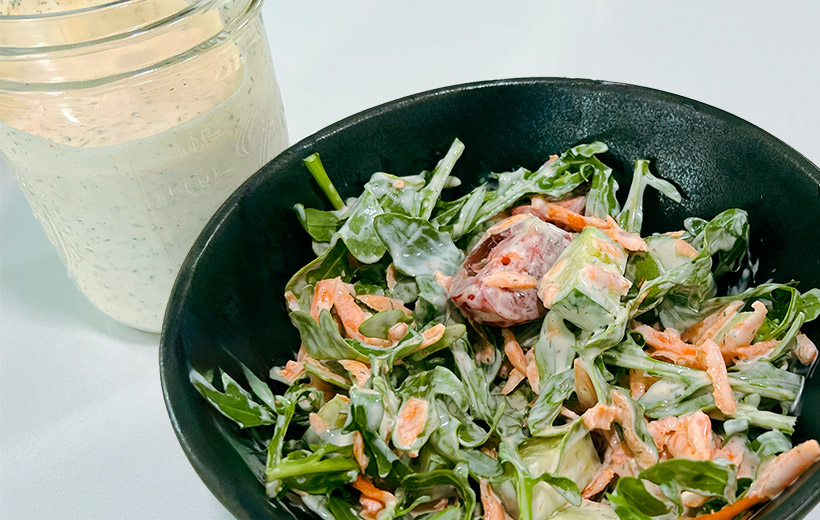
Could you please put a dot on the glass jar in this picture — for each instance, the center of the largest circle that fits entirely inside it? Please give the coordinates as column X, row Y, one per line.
column 127, row 124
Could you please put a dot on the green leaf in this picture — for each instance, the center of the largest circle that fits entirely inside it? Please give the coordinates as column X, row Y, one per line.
column 632, row 500
column 810, row 304
column 631, row 217
column 703, row 477
column 234, row 403
column 378, row 325
column 320, row 225
column 420, row 481
column 553, row 392
column 687, row 283
column 285, row 408
column 358, row 232
column 430, row 194
column 330, row 264
column 259, row 387
column 314, row 473
column 564, row 486
column 601, row 199
column 341, row 509
column 322, row 340
column 726, row 235
column 397, row 194
column 554, row 350
column 555, row 179
column 481, row 465
column 416, row 246
column 451, row 513
column 785, row 307
column 432, row 302
column 771, row 443
column 483, row 404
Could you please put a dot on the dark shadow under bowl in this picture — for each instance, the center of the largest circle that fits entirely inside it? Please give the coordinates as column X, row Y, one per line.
column 227, row 303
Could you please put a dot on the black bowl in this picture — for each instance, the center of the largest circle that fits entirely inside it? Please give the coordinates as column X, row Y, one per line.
column 227, row 303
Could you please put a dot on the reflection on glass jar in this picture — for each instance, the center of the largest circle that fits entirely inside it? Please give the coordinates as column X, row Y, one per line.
column 127, row 124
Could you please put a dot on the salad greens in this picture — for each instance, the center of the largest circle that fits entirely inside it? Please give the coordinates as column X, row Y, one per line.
column 523, row 352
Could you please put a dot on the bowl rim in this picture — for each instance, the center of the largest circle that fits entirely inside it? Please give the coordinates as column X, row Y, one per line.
column 789, row 510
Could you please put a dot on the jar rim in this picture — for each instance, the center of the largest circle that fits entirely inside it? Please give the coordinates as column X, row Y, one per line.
column 59, row 17
column 67, row 12
column 44, row 52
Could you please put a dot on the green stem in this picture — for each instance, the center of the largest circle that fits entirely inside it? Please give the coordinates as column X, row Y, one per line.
column 300, row 468
column 314, row 165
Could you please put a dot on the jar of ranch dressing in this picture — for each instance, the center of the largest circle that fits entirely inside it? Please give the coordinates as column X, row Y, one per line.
column 127, row 123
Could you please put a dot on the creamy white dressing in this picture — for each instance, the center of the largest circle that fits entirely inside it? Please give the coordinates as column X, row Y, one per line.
column 124, row 175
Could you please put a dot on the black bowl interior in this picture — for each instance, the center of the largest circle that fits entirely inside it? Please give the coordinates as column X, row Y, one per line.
column 228, row 303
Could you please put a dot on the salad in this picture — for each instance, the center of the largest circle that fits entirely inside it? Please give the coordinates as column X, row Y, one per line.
column 523, row 351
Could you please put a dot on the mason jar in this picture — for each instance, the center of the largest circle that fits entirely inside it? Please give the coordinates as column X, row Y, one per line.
column 126, row 124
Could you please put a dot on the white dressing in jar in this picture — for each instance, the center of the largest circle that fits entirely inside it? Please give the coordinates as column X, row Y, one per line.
column 123, row 174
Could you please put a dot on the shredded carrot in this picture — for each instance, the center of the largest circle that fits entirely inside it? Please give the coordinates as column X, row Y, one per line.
column 358, row 451
column 716, row 368
column 533, row 377
column 317, row 424
column 390, row 276
column 732, row 510
column 639, row 382
column 383, row 303
column 410, row 422
column 806, row 351
column 443, row 280
column 493, row 510
column 373, row 500
column 584, row 388
column 510, row 280
column 359, row 371
column 513, row 381
column 513, row 351
column 712, row 324
column 432, row 335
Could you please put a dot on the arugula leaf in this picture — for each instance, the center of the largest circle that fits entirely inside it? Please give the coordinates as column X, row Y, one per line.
column 323, row 341
column 555, row 179
column 285, row 408
column 553, row 392
column 235, row 403
column 433, row 301
column 631, row 217
column 430, row 194
column 564, row 486
column 416, row 246
column 320, row 225
column 726, row 235
column 259, row 387
column 330, row 264
column 771, row 443
column 358, row 232
column 378, row 325
column 601, row 199
column 314, row 473
column 341, row 509
column 632, row 501
column 482, row 402
column 703, row 477
column 810, row 304
column 417, row 482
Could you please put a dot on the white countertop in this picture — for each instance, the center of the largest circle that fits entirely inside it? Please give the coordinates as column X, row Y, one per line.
column 83, row 429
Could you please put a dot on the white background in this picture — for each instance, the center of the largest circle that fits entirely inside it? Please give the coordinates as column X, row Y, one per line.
column 83, row 429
